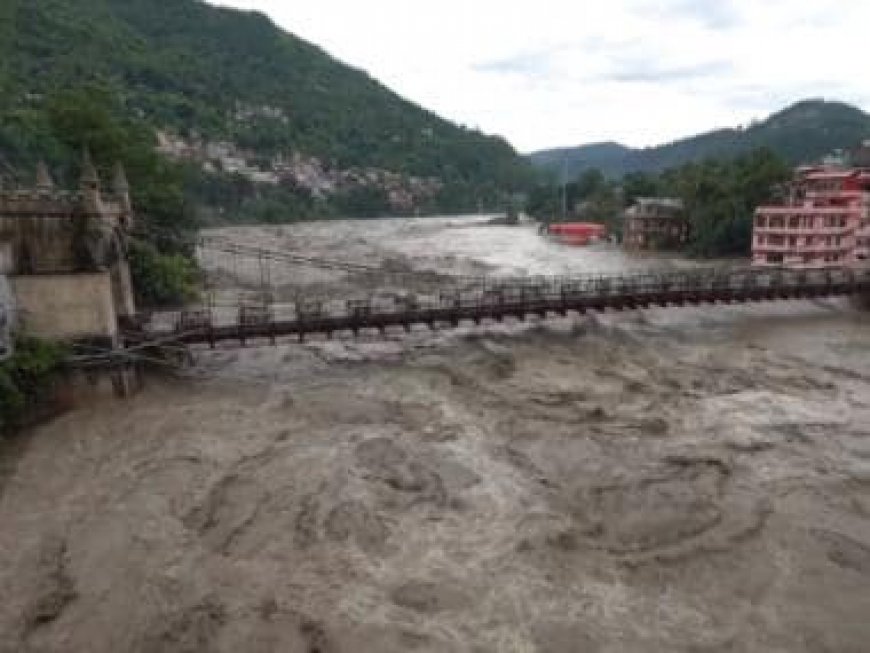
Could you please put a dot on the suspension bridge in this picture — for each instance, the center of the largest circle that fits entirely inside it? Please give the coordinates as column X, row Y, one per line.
column 477, row 300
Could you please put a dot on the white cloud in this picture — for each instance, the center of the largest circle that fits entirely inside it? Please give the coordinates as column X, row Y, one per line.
column 562, row 72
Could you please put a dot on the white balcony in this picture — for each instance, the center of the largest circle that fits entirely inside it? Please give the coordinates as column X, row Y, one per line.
column 807, row 231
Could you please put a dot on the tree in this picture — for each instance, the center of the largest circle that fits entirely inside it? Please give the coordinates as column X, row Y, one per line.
column 25, row 378
column 589, row 183
column 639, row 184
column 544, row 202
column 93, row 117
column 162, row 279
column 721, row 198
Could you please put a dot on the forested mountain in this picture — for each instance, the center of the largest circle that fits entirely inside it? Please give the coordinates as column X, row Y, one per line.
column 803, row 132
column 215, row 75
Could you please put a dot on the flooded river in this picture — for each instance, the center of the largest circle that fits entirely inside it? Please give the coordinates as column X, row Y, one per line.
column 450, row 247
column 691, row 479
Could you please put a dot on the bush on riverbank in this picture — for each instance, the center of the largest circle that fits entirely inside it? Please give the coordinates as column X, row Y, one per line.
column 25, row 380
column 162, row 279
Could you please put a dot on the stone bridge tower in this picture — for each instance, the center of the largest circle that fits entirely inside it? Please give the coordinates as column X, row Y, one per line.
column 65, row 255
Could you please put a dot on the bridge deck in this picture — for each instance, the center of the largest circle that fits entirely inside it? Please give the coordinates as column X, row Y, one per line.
column 518, row 298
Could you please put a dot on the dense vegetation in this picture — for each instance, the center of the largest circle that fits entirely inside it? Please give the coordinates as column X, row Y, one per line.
column 720, row 198
column 220, row 73
column 162, row 278
column 800, row 133
column 25, row 379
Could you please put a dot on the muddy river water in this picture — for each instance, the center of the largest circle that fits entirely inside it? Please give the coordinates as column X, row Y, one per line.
column 691, row 479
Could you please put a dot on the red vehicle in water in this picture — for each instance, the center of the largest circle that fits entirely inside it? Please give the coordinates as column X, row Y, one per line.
column 578, row 233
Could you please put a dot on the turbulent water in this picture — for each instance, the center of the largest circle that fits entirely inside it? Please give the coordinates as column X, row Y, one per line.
column 664, row 480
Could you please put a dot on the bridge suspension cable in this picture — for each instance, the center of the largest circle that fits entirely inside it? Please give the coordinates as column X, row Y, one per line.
column 293, row 258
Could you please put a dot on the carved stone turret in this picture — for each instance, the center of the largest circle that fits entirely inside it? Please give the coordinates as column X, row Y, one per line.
column 89, row 180
column 89, row 184
column 121, row 188
column 119, row 181
column 44, row 181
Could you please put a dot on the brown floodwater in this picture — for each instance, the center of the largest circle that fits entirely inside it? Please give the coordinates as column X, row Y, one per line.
column 692, row 479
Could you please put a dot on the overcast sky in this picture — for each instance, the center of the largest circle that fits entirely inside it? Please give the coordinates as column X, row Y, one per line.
column 547, row 73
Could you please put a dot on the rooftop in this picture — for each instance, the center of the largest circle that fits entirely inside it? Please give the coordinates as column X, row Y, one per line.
column 832, row 172
column 666, row 202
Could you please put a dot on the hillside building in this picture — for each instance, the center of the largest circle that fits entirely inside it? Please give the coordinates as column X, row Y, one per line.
column 824, row 221
column 655, row 223
column 64, row 256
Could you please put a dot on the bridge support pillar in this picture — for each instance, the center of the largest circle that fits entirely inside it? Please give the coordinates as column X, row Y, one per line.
column 126, row 381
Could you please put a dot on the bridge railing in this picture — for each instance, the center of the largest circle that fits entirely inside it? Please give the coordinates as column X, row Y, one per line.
column 532, row 294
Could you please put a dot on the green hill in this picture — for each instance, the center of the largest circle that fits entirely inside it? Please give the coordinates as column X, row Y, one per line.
column 569, row 162
column 800, row 133
column 216, row 74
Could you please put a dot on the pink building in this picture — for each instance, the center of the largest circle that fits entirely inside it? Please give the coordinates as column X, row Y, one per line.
column 824, row 222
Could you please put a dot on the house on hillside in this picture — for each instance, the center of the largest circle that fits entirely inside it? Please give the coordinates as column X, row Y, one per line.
column 655, row 223
column 823, row 222
column 64, row 254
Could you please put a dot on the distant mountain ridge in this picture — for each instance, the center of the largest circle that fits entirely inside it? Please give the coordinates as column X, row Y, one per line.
column 802, row 132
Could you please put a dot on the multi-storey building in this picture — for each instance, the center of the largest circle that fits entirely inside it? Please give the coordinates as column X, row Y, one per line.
column 655, row 223
column 824, row 221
